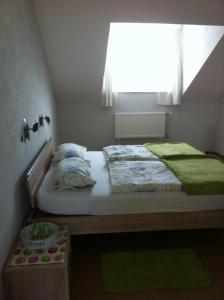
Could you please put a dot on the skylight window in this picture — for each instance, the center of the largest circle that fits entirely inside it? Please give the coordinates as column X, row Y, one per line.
column 141, row 58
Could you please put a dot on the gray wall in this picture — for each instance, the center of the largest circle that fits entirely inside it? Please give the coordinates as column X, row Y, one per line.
column 75, row 36
column 89, row 124
column 220, row 131
column 25, row 92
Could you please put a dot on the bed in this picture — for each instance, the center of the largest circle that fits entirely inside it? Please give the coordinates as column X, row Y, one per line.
column 97, row 210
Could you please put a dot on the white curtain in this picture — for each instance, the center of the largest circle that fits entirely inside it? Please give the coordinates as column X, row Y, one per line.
column 109, row 95
column 174, row 96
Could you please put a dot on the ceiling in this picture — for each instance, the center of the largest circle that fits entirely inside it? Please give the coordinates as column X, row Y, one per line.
column 75, row 32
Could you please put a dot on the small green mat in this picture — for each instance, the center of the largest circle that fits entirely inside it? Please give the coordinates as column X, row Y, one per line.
column 156, row 269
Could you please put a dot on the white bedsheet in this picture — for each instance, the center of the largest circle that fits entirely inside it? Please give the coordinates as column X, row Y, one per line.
column 99, row 200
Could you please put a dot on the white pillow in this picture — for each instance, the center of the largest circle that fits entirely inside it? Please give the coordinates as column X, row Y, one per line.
column 68, row 150
column 72, row 173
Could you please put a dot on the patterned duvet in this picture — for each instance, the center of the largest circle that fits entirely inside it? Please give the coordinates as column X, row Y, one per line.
column 128, row 152
column 142, row 176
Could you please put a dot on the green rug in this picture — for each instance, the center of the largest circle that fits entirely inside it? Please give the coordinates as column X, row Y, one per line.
column 156, row 269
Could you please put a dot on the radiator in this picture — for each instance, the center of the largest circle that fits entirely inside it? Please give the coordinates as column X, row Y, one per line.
column 140, row 125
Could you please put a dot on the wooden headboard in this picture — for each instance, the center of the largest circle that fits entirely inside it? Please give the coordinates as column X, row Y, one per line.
column 37, row 170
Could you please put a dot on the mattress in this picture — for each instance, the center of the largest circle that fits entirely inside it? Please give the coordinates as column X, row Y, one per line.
column 99, row 200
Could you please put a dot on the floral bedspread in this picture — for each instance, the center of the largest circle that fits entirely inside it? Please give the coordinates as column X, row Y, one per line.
column 142, row 176
column 128, row 152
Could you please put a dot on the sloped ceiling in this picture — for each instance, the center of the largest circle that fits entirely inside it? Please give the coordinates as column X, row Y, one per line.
column 199, row 41
column 75, row 32
column 208, row 83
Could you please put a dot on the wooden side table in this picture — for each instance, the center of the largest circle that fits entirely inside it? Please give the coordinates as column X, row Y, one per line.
column 40, row 274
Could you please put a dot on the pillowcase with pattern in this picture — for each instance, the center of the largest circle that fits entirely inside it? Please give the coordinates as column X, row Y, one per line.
column 72, row 174
column 68, row 150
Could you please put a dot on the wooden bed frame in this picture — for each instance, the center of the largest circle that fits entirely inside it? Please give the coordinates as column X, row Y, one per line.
column 86, row 224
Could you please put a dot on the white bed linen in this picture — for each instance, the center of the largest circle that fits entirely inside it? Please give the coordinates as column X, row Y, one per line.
column 99, row 200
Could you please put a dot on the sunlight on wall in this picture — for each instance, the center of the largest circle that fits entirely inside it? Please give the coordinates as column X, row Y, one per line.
column 198, row 43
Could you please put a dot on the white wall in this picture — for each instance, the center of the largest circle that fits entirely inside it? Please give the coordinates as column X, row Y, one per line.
column 198, row 43
column 25, row 92
column 88, row 124
column 75, row 36
column 194, row 121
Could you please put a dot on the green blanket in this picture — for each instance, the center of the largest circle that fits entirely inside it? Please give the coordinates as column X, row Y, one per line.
column 174, row 150
column 199, row 176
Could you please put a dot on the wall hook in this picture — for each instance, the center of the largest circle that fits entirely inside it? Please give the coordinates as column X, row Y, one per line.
column 42, row 118
column 27, row 129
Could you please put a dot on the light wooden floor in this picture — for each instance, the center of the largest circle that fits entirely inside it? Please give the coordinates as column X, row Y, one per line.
column 86, row 275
